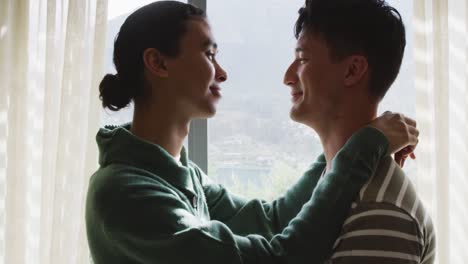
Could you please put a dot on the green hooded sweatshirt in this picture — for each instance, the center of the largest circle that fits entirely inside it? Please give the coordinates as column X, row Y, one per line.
column 144, row 207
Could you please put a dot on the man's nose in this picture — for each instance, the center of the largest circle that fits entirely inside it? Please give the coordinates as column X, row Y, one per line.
column 290, row 77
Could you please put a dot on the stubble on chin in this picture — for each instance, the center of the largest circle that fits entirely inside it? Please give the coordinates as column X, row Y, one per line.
column 295, row 114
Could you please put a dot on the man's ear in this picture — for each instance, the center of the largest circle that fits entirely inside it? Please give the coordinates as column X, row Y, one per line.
column 155, row 62
column 357, row 67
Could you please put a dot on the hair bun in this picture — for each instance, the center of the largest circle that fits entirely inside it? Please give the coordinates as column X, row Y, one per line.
column 112, row 94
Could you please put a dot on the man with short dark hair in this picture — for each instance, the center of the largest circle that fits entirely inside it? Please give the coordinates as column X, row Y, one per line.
column 348, row 54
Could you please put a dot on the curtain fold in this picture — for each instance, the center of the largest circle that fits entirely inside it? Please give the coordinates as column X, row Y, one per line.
column 52, row 59
column 441, row 60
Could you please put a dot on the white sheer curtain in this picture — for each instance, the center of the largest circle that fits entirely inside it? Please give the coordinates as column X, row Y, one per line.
column 441, row 67
column 51, row 61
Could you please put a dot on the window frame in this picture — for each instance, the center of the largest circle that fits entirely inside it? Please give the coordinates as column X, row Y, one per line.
column 198, row 136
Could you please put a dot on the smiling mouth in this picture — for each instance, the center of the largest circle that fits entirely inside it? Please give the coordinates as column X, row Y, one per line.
column 296, row 96
column 215, row 90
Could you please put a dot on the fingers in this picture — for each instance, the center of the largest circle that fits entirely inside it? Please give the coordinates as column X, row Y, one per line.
column 406, row 119
column 413, row 136
column 406, row 151
column 402, row 155
column 413, row 130
column 400, row 158
column 409, row 151
column 410, row 121
column 400, row 131
column 411, row 127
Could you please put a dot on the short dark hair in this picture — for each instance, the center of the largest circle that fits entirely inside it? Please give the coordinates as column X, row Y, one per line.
column 158, row 25
column 370, row 28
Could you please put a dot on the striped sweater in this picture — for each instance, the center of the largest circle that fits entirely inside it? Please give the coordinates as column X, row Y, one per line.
column 386, row 224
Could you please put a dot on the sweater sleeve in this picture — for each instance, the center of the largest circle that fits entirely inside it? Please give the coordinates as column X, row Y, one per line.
column 265, row 218
column 152, row 225
column 355, row 162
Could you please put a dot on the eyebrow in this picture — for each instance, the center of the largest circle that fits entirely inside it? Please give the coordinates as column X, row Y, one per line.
column 210, row 43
